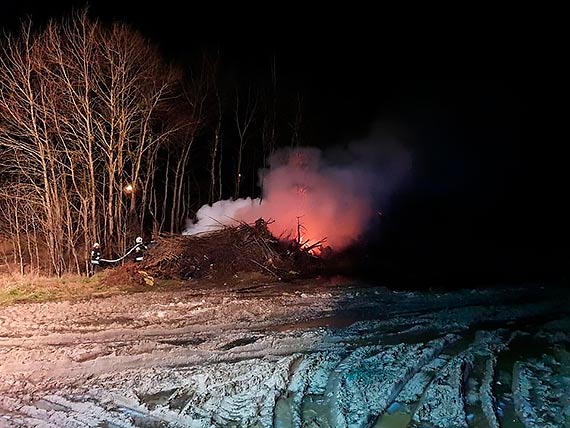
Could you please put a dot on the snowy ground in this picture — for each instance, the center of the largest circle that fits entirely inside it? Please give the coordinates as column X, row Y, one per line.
column 335, row 354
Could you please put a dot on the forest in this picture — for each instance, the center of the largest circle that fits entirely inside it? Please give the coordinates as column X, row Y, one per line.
column 103, row 140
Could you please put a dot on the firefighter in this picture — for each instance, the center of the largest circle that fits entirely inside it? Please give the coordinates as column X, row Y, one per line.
column 95, row 258
column 139, row 250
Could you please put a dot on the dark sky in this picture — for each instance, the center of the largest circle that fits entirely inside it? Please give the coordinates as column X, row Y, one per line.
column 481, row 116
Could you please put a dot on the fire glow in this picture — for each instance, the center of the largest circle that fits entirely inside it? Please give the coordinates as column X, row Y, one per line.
column 307, row 199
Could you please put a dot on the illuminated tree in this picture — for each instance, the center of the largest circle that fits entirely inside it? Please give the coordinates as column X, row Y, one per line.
column 84, row 111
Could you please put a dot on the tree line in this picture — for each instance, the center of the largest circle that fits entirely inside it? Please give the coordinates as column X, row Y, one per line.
column 102, row 140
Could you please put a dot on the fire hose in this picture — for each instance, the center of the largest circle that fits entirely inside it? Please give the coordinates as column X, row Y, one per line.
column 120, row 258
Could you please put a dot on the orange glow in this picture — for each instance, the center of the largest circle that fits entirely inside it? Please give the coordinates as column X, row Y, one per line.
column 309, row 201
column 299, row 194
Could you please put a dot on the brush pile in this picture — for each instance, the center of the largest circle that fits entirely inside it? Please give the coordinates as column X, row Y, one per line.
column 225, row 252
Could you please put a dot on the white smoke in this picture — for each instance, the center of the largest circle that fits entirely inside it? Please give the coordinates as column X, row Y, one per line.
column 209, row 218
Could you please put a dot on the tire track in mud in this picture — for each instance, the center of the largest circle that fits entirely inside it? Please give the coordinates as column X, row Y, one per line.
column 480, row 359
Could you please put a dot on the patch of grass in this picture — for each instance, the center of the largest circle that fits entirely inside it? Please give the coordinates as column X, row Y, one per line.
column 30, row 288
column 26, row 293
column 34, row 288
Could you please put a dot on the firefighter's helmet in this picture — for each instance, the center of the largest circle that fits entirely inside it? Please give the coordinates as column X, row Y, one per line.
column 138, row 240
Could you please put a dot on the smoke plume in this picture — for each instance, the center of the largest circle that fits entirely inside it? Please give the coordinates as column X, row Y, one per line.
column 315, row 195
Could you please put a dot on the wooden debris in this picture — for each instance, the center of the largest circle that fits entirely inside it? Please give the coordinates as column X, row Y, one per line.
column 226, row 252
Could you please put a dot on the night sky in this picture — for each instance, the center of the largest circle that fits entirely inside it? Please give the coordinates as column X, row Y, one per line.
column 486, row 197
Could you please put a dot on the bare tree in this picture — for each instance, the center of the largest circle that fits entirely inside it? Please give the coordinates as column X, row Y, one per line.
column 269, row 126
column 84, row 110
column 216, row 152
column 244, row 114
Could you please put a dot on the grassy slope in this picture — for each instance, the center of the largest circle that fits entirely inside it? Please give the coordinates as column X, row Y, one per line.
column 32, row 288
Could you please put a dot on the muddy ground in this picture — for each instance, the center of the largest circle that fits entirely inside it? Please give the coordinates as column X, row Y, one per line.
column 329, row 352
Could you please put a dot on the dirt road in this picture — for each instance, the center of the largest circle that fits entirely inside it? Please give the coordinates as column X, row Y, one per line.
column 333, row 353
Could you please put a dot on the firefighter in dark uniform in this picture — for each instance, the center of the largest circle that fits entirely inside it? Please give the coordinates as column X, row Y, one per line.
column 139, row 250
column 95, row 258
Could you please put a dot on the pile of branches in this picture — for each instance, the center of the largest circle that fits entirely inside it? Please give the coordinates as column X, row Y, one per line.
column 226, row 252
